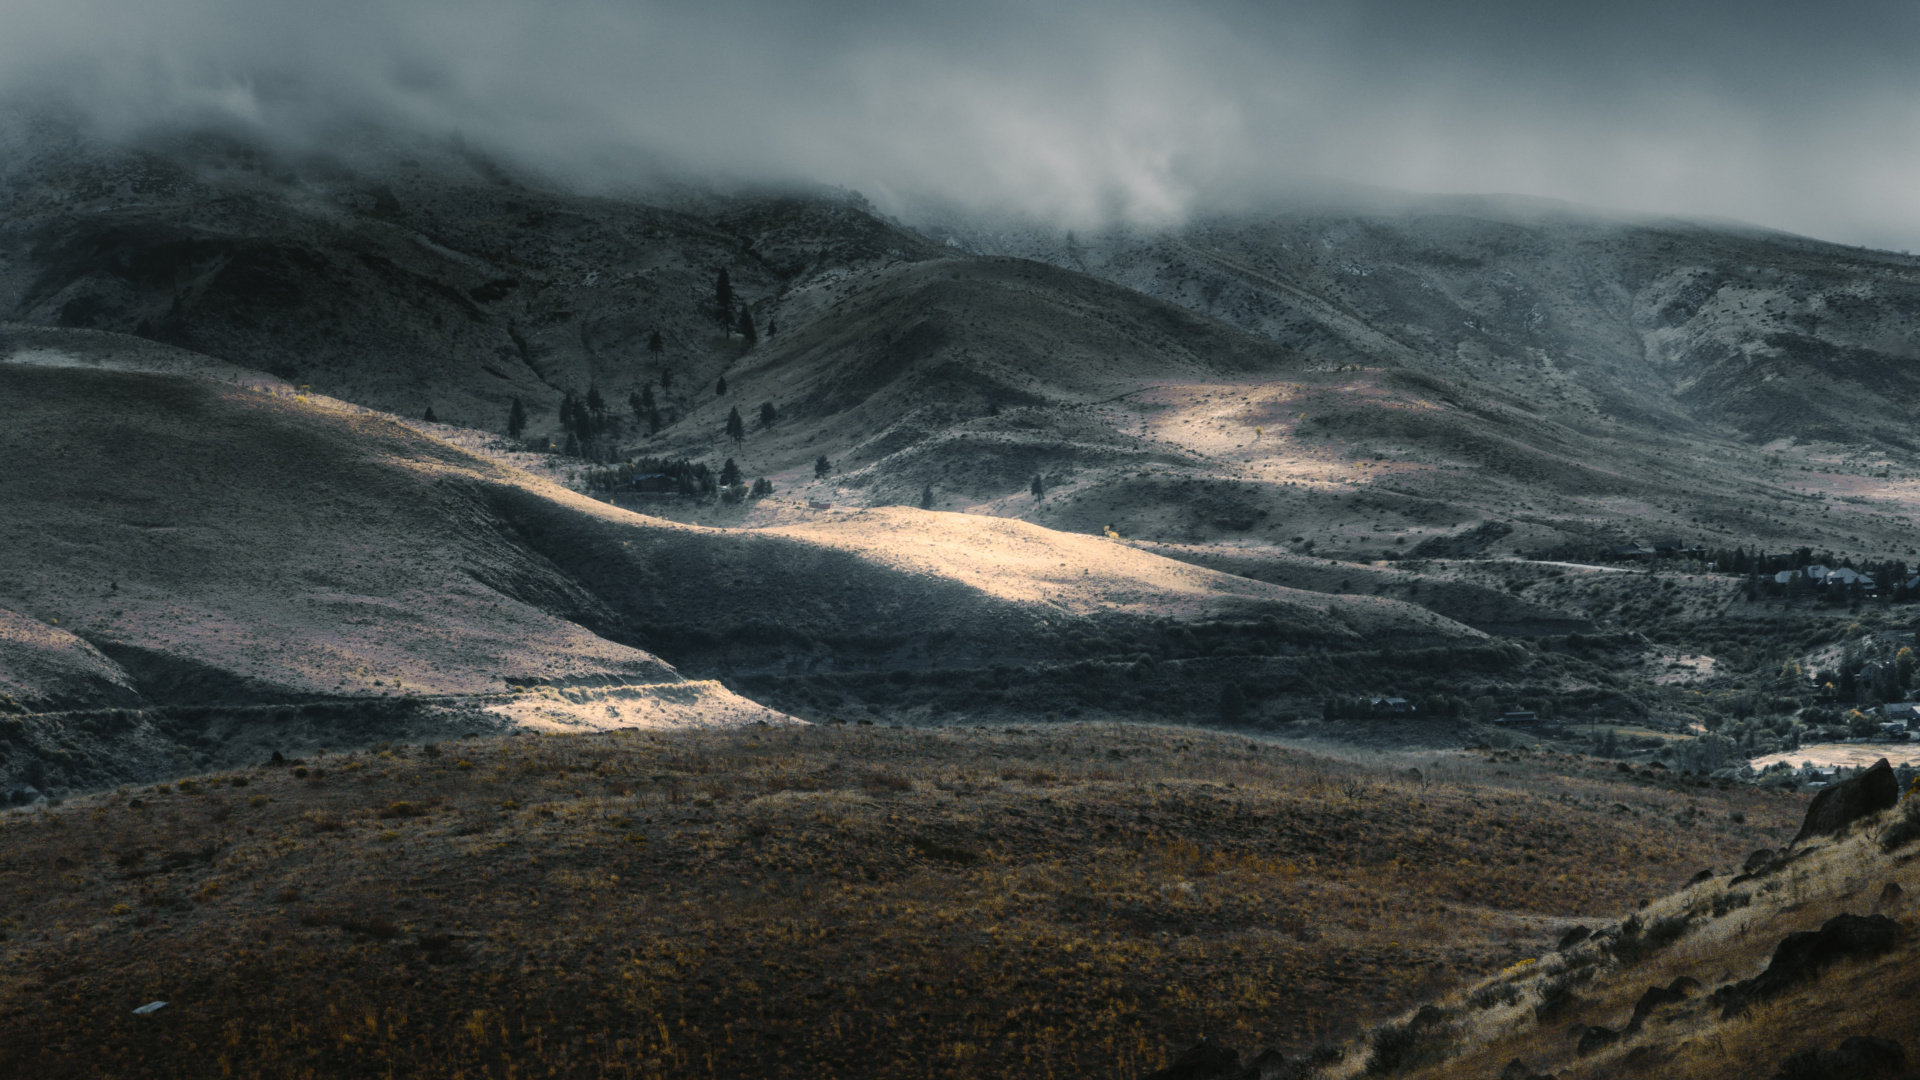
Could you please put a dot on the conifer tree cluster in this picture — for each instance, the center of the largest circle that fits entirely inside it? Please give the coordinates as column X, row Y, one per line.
column 645, row 410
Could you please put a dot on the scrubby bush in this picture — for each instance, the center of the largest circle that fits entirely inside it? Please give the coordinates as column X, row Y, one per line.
column 1906, row 825
column 1401, row 1048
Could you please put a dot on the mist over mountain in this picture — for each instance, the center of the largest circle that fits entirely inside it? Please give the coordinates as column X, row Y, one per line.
column 407, row 273
column 1655, row 322
column 1079, row 113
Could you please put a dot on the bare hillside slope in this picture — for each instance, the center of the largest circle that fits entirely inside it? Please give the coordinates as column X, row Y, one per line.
column 248, row 545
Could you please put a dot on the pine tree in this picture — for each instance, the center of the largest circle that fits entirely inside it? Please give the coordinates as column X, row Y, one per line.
column 656, row 346
column 430, row 418
column 566, row 411
column 720, row 387
column 573, row 445
column 926, row 497
column 653, row 421
column 768, row 415
column 1038, row 488
column 821, row 467
column 594, row 401
column 723, row 299
column 772, row 328
column 516, row 419
column 736, row 428
column 729, row 474
column 746, row 326
column 666, row 378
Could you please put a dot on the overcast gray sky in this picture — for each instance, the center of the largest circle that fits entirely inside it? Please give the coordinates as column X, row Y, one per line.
column 1798, row 116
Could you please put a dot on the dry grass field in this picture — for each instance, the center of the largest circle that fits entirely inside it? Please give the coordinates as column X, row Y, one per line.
column 1073, row 900
column 1571, row 1014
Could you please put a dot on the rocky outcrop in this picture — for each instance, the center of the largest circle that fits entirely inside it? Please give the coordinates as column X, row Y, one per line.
column 1850, row 800
column 1862, row 1057
column 1800, row 957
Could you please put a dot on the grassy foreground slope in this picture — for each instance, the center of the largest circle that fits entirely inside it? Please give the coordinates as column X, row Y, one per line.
column 1768, row 969
column 1078, row 900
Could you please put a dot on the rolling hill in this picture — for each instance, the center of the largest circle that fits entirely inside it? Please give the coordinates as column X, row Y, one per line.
column 1347, row 370
column 190, row 540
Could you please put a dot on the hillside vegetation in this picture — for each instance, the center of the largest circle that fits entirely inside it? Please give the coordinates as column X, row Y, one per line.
column 1080, row 900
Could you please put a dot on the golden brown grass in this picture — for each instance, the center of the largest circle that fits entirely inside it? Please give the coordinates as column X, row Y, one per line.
column 1735, row 929
column 853, row 901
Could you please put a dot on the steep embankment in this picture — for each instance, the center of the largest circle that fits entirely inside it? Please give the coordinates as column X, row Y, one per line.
column 43, row 668
column 1798, row 963
column 1434, row 587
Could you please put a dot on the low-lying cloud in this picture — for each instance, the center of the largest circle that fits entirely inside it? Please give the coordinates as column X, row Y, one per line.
column 1080, row 111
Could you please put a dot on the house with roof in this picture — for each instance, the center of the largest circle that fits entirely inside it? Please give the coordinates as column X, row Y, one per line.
column 1848, row 578
column 1904, row 714
column 1392, row 705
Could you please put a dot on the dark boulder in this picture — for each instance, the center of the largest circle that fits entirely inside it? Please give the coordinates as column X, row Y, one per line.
column 1656, row 996
column 1758, row 861
column 1842, row 804
column 1517, row 1070
column 1892, row 896
column 1594, row 1038
column 1556, row 1000
column 1204, row 1060
column 1270, row 1065
column 1704, row 875
column 1800, row 957
column 1574, row 936
column 1862, row 1057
